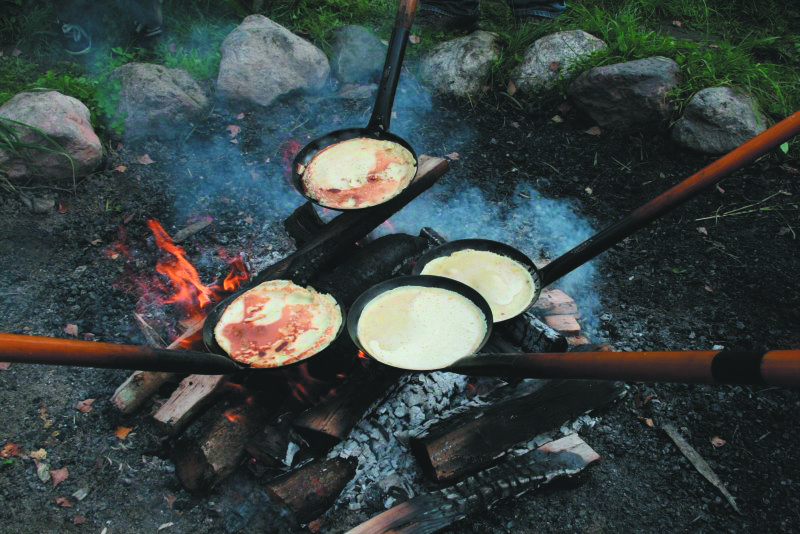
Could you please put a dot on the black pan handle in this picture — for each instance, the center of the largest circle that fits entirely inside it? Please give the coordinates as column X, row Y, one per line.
column 382, row 112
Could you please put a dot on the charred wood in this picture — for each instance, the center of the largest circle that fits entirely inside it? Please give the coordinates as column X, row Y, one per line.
column 531, row 334
column 452, row 448
column 327, row 424
column 435, row 511
column 303, row 224
column 214, row 445
column 308, row 491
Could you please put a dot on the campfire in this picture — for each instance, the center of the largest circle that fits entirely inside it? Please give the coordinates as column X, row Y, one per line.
column 312, row 434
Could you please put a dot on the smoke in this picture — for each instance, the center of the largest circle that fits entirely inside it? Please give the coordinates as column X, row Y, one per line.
column 542, row 228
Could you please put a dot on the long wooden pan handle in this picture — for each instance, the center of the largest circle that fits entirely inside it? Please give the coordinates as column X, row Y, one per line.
column 698, row 182
column 776, row 367
column 53, row 351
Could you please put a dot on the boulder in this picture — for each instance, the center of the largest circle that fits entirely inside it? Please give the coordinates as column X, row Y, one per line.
column 553, row 58
column 629, row 94
column 262, row 60
column 357, row 55
column 64, row 144
column 461, row 67
column 717, row 120
column 156, row 101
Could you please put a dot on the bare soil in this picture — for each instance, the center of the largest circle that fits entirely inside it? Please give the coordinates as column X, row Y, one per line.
column 699, row 277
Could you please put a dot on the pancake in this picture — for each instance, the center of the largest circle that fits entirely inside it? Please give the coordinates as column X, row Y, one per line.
column 414, row 327
column 507, row 285
column 277, row 323
column 358, row 173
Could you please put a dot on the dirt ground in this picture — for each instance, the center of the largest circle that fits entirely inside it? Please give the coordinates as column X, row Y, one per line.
column 721, row 270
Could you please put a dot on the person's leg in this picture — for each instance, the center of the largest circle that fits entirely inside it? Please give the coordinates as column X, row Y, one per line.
column 148, row 17
column 448, row 15
column 536, row 8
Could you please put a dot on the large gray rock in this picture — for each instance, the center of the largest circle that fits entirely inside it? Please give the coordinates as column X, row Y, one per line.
column 462, row 66
column 156, row 101
column 262, row 60
column 717, row 120
column 627, row 94
column 553, row 58
column 59, row 125
column 357, row 55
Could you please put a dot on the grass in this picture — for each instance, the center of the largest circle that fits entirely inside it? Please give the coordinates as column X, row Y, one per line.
column 740, row 43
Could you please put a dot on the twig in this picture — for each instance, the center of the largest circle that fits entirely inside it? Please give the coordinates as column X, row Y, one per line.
column 743, row 210
column 698, row 462
column 626, row 167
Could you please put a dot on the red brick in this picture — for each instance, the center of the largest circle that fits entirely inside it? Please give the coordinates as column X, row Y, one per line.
column 565, row 324
column 556, row 302
column 575, row 341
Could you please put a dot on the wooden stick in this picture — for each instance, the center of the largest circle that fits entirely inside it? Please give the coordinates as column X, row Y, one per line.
column 435, row 511
column 452, row 448
column 141, row 385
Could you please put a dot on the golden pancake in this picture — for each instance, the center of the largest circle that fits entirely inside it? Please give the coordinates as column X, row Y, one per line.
column 414, row 327
column 358, row 173
column 277, row 323
column 506, row 284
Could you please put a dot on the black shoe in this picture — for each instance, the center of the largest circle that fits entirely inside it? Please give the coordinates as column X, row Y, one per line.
column 76, row 40
column 433, row 21
column 147, row 36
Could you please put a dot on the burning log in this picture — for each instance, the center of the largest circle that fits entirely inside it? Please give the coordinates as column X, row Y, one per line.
column 527, row 332
column 451, row 448
column 328, row 423
column 194, row 393
column 214, row 446
column 307, row 492
column 435, row 511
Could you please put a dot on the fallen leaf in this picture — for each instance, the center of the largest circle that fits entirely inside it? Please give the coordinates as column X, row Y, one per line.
column 122, row 432
column 9, row 450
column 515, row 125
column 63, row 502
column 71, row 330
column 453, row 156
column 594, row 130
column 120, row 146
column 42, row 471
column 59, row 475
column 248, row 220
column 165, row 525
column 677, row 23
column 144, row 160
column 649, row 422
column 554, row 66
column 708, row 288
column 81, row 494
column 511, row 89
column 702, row 230
column 120, row 168
column 557, row 118
column 234, row 141
column 564, row 107
column 170, row 500
column 720, row 189
column 414, row 39
column 790, row 170
column 84, row 406
column 717, row 441
column 41, row 454
column 5, row 366
column 233, row 130
column 589, row 190
column 16, row 52
column 62, row 208
column 240, row 116
column 78, row 520
column 128, row 218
